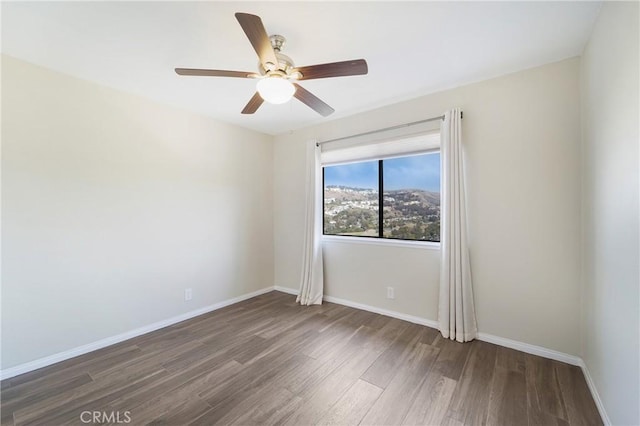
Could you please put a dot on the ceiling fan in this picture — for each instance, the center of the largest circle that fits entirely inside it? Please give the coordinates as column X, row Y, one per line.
column 277, row 74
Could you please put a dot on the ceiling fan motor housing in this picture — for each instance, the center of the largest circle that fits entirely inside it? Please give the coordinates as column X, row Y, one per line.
column 285, row 63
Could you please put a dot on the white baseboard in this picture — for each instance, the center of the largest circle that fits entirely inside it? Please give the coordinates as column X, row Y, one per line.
column 530, row 349
column 90, row 347
column 388, row 313
column 595, row 394
column 286, row 290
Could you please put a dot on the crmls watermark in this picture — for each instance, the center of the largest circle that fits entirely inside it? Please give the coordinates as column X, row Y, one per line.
column 101, row 417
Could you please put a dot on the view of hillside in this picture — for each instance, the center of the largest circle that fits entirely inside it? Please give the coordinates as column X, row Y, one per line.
column 408, row 213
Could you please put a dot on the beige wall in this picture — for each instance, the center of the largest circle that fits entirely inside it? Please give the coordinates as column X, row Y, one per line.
column 522, row 133
column 113, row 205
column 611, row 254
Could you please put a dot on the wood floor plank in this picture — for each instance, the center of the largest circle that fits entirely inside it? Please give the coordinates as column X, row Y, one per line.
column 318, row 399
column 540, row 418
column 268, row 361
column 377, row 322
column 146, row 358
column 508, row 397
column 544, row 397
column 71, row 407
column 293, row 341
column 253, row 348
column 448, row 421
column 353, row 405
column 471, row 398
column 401, row 392
column 91, row 389
column 161, row 339
column 198, row 378
column 265, row 410
column 327, row 340
column 432, row 401
column 581, row 408
column 183, row 414
column 75, row 366
column 324, row 397
column 387, row 365
column 348, row 341
column 186, row 360
column 291, row 318
column 510, row 359
column 452, row 358
column 7, row 420
column 321, row 370
column 30, row 396
column 257, row 399
column 277, row 415
column 229, row 395
column 260, row 370
column 386, row 335
column 332, row 309
column 180, row 400
column 347, row 355
column 209, row 377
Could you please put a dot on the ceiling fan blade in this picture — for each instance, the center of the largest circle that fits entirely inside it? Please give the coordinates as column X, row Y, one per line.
column 334, row 69
column 257, row 35
column 253, row 104
column 214, row 73
column 312, row 101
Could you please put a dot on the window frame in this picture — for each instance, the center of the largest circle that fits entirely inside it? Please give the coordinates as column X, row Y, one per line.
column 379, row 239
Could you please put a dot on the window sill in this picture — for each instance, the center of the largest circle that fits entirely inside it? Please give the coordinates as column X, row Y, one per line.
column 422, row 245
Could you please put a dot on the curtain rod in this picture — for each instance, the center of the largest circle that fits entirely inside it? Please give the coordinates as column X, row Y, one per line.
column 440, row 117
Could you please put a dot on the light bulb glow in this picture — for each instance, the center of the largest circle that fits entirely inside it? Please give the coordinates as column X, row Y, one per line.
column 275, row 90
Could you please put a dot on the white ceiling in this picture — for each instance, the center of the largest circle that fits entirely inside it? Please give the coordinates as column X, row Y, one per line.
column 412, row 48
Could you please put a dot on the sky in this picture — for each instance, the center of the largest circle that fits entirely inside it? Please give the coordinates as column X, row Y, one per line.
column 414, row 172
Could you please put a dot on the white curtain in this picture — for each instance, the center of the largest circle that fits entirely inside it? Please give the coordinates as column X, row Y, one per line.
column 456, row 312
column 312, row 281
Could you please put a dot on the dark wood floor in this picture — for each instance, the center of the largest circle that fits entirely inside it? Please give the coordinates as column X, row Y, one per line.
column 269, row 361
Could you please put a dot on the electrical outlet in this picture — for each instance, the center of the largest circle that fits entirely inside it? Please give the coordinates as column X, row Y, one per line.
column 188, row 294
column 391, row 294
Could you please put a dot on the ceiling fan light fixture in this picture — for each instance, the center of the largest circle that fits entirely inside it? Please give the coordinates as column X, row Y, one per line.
column 275, row 90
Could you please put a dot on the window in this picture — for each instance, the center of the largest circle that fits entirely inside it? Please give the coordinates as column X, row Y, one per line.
column 407, row 188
